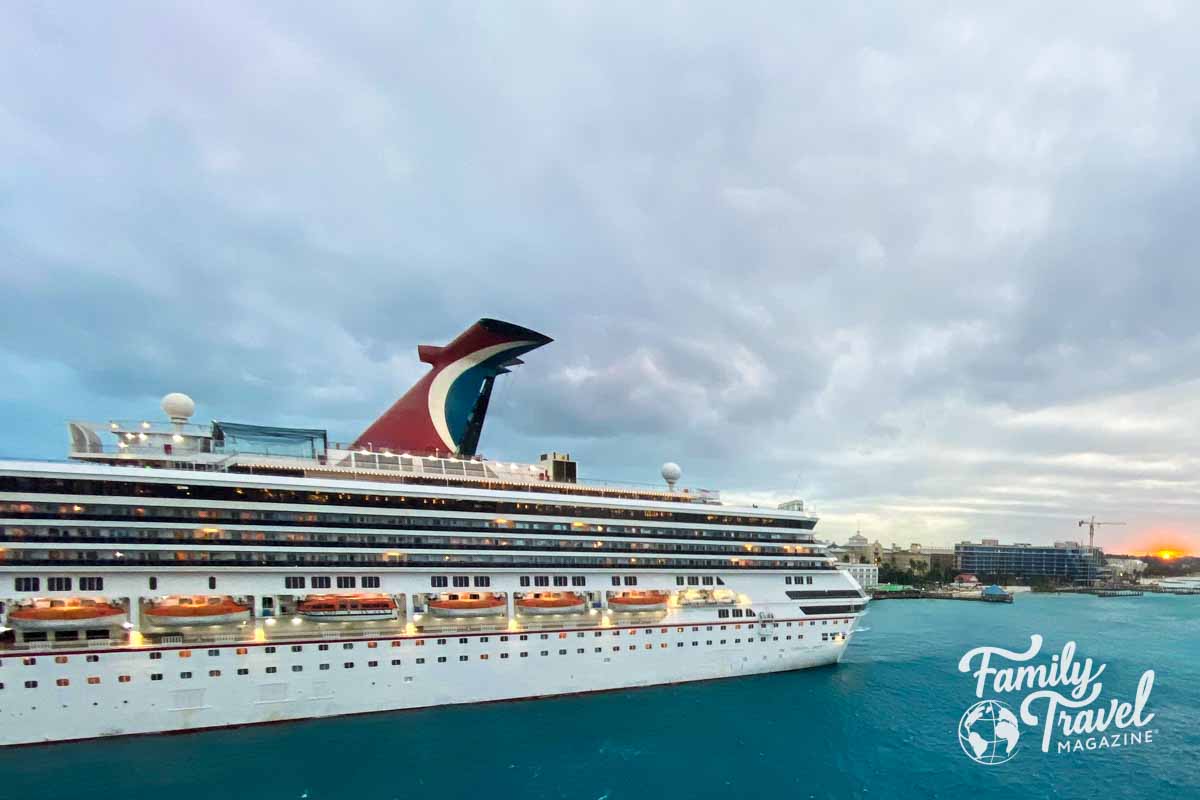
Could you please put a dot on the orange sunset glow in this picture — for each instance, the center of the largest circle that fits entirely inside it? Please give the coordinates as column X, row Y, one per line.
column 1167, row 544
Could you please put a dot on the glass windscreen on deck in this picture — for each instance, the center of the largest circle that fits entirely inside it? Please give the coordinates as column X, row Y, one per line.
column 234, row 437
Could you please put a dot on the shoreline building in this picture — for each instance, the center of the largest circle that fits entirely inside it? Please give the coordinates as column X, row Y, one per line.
column 1063, row 561
column 867, row 575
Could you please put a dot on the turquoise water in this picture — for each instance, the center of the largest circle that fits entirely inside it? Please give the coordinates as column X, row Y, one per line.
column 882, row 724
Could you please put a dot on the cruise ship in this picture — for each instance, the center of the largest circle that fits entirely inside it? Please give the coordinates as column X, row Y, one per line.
column 172, row 576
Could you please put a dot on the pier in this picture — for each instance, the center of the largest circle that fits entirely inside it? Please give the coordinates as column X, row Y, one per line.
column 922, row 594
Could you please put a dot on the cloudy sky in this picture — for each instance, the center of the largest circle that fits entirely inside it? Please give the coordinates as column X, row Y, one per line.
column 934, row 271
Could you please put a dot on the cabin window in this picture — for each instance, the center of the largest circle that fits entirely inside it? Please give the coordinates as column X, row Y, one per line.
column 631, row 580
column 156, row 676
column 297, row 668
column 438, row 581
column 616, row 580
column 123, row 679
column 461, row 581
column 294, row 582
column 27, row 584
column 185, row 675
column 693, row 580
column 679, row 580
column 212, row 582
column 578, row 580
column 153, row 583
column 214, row 652
column 483, row 580
column 541, row 580
column 320, row 581
column 395, row 662
column 214, row 673
column 30, row 684
column 560, row 580
column 708, row 581
column 91, row 584
column 370, row 581
column 271, row 670
column 524, row 580
column 296, row 648
column 345, row 581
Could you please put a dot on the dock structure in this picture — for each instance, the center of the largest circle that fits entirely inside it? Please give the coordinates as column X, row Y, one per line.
column 909, row 593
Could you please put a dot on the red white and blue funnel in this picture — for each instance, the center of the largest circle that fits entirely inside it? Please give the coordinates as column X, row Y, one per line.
column 444, row 412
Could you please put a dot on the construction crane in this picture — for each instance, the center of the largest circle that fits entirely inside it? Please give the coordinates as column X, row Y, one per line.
column 1091, row 523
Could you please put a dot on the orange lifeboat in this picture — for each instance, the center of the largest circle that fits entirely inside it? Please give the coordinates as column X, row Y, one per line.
column 345, row 608
column 66, row 615
column 552, row 603
column 467, row 605
column 176, row 612
column 639, row 601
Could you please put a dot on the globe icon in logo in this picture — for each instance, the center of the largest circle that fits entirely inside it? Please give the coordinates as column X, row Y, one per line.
column 988, row 732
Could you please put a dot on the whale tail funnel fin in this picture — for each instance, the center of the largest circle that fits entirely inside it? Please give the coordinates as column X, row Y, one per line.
column 444, row 411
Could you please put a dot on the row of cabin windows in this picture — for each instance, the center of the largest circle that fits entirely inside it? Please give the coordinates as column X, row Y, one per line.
column 396, row 662
column 799, row 580
column 559, row 580
column 459, row 581
column 58, row 584
column 502, row 508
column 157, row 655
column 698, row 580
column 324, row 582
column 511, row 539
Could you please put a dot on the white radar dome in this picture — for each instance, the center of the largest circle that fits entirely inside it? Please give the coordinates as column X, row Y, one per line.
column 178, row 406
column 671, row 473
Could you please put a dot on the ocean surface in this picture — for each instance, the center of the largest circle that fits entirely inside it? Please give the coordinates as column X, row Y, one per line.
column 884, row 724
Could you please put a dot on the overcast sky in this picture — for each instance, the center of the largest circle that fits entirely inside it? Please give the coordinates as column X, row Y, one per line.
column 934, row 271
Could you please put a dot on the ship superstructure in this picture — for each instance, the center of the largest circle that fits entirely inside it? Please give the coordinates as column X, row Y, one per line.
column 174, row 576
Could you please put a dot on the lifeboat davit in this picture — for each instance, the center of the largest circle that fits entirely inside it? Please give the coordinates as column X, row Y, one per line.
column 467, row 605
column 552, row 603
column 350, row 608
column 639, row 601
column 180, row 611
column 66, row 615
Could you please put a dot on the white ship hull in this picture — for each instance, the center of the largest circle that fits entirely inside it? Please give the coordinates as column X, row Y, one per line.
column 142, row 705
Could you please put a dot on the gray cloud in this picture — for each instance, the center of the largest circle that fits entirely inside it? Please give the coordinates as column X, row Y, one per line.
column 930, row 268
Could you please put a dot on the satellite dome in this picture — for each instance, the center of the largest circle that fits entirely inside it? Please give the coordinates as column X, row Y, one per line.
column 671, row 473
column 178, row 406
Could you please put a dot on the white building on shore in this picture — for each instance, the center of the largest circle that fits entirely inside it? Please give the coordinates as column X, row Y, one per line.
column 867, row 575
